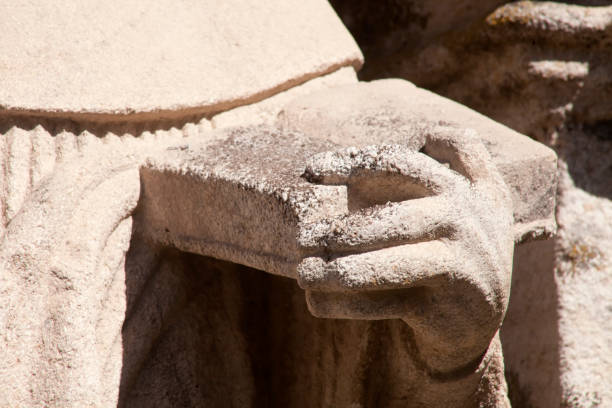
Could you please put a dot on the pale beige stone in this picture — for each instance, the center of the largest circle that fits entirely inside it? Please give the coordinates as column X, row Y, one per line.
column 358, row 235
column 266, row 111
column 81, row 247
column 117, row 194
column 388, row 111
column 125, row 57
column 544, row 69
column 372, row 261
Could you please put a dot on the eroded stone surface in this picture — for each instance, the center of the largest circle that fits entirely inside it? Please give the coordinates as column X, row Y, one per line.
column 267, row 110
column 121, row 57
column 368, row 261
column 393, row 111
column 67, row 225
column 543, row 69
column 414, row 222
column 266, row 196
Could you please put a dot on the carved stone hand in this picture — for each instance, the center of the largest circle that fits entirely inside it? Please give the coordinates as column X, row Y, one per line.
column 428, row 240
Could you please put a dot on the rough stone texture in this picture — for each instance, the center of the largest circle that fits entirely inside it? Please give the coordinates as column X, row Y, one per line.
column 78, row 193
column 530, row 330
column 67, row 205
column 267, row 110
column 393, row 111
column 583, row 270
column 103, row 192
column 125, row 57
column 356, row 259
column 543, row 69
column 223, row 357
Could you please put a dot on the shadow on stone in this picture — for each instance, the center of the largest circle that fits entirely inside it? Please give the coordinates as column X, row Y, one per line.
column 530, row 334
column 587, row 151
column 200, row 332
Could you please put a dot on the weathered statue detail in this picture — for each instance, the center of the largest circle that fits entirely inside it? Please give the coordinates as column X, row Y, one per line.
column 383, row 201
column 544, row 69
column 440, row 259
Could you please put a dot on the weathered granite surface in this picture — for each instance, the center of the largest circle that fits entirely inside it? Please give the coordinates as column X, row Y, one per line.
column 163, row 58
column 543, row 69
column 132, row 219
column 247, row 195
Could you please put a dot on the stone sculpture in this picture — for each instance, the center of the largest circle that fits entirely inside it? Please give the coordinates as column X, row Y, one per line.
column 543, row 69
column 382, row 200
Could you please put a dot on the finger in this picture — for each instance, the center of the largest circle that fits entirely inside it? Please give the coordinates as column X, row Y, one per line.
column 368, row 305
column 406, row 266
column 462, row 150
column 333, row 167
column 410, row 221
column 347, row 165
